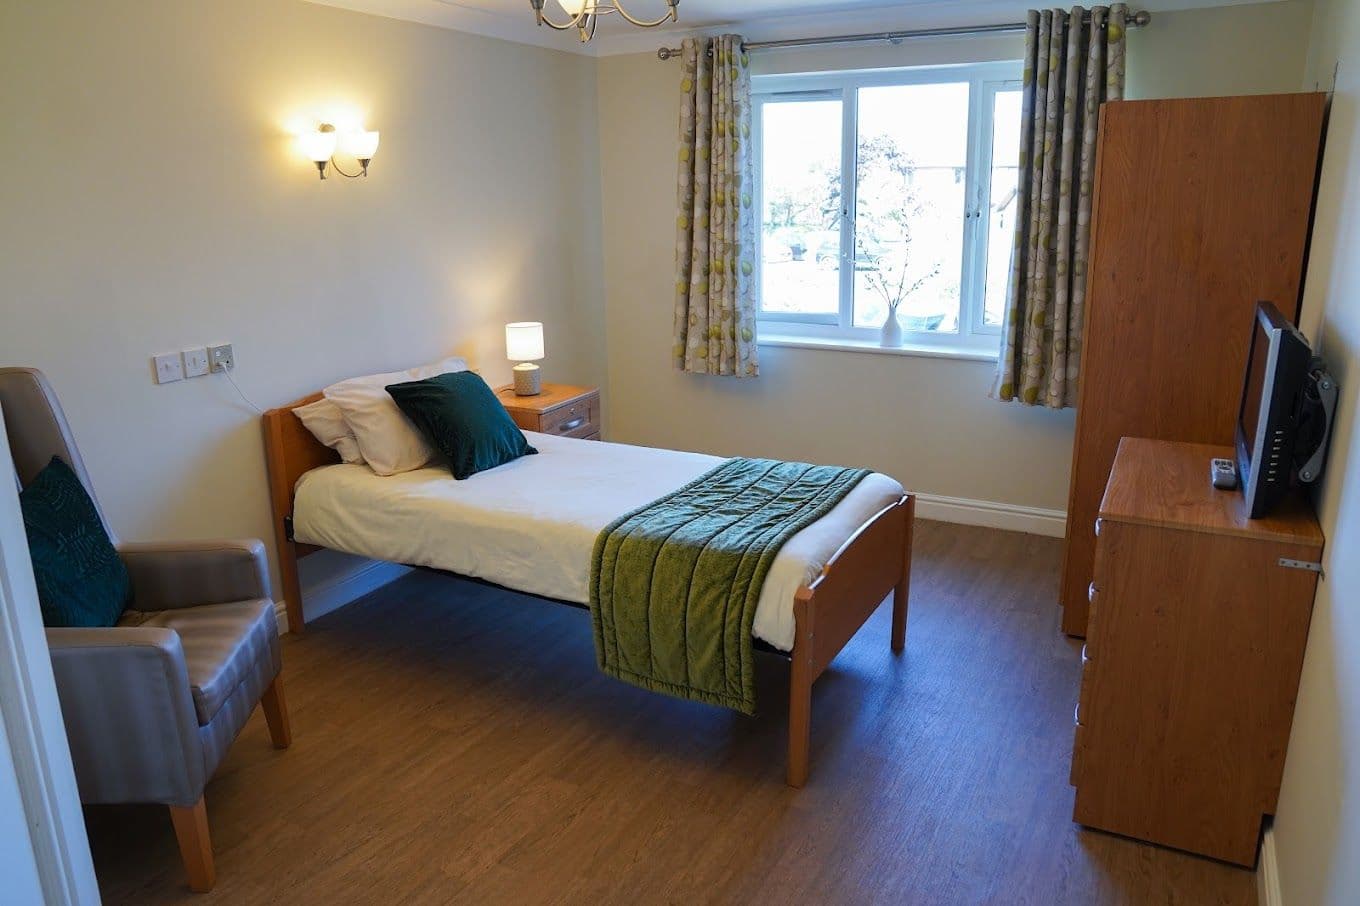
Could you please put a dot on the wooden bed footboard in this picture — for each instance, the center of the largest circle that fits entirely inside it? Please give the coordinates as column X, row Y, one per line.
column 873, row 563
column 828, row 612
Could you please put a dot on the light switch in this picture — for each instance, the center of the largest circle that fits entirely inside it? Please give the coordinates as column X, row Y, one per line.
column 168, row 368
column 195, row 362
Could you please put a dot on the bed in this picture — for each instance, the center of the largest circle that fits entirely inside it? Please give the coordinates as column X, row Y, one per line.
column 530, row 526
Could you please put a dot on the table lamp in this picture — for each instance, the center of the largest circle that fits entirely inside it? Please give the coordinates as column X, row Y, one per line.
column 524, row 344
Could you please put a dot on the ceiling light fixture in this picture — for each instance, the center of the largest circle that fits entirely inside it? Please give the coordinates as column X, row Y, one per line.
column 585, row 15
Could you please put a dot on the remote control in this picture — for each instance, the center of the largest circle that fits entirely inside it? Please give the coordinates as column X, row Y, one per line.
column 1223, row 474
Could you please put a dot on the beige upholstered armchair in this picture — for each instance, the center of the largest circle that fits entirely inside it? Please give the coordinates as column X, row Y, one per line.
column 152, row 704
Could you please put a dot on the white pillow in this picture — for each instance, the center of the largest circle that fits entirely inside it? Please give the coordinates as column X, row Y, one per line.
column 324, row 419
column 387, row 440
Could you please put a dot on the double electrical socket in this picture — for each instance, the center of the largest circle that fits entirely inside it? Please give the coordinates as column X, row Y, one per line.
column 195, row 362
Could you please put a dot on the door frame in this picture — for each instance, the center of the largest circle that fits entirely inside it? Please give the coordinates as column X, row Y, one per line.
column 30, row 718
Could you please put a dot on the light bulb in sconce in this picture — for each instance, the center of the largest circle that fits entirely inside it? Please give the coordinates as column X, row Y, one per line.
column 321, row 146
column 524, row 344
column 318, row 146
column 360, row 145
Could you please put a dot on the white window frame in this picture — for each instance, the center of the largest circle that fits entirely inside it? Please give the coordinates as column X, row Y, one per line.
column 984, row 81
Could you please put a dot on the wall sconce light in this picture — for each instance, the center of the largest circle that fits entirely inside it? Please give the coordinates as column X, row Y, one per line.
column 321, row 146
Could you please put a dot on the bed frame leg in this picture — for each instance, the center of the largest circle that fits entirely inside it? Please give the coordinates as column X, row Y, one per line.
column 292, row 587
column 801, row 677
column 902, row 592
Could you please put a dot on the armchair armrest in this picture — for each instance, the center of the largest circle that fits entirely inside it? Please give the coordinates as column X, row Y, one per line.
column 129, row 714
column 177, row 574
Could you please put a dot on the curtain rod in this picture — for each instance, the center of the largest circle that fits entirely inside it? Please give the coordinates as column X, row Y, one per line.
column 1137, row 20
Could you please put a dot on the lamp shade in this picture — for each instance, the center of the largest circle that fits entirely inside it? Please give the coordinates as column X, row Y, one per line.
column 361, row 145
column 573, row 7
column 524, row 341
column 317, row 146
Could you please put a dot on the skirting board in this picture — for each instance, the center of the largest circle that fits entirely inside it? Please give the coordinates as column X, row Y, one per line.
column 343, row 589
column 1268, row 872
column 1029, row 519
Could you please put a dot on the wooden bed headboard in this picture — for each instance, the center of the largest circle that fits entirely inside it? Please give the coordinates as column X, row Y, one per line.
column 290, row 451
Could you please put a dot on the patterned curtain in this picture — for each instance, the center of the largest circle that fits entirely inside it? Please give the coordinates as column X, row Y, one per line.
column 1070, row 68
column 715, row 309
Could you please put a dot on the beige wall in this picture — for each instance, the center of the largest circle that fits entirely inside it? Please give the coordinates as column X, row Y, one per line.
column 1317, row 828
column 925, row 420
column 1259, row 48
column 150, row 199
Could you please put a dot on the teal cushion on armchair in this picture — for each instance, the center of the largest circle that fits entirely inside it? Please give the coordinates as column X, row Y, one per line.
column 80, row 577
column 462, row 419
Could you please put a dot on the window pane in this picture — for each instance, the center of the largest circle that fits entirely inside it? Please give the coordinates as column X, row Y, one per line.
column 800, row 224
column 913, row 154
column 1002, row 214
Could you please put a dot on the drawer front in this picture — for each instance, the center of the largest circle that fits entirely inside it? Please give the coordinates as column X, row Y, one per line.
column 1078, row 754
column 579, row 419
column 1088, row 672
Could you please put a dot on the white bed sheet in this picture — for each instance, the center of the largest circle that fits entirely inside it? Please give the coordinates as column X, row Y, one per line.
column 531, row 525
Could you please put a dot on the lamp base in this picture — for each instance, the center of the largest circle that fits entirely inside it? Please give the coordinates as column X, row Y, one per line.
column 528, row 380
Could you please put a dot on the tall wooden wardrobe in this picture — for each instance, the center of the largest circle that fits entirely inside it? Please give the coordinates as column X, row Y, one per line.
column 1202, row 207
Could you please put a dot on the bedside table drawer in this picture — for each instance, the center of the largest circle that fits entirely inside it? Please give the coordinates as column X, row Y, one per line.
column 561, row 409
column 574, row 420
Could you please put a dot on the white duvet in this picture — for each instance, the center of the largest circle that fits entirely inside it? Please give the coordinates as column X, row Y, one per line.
column 531, row 525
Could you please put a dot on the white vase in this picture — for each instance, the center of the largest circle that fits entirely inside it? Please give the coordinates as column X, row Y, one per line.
column 891, row 336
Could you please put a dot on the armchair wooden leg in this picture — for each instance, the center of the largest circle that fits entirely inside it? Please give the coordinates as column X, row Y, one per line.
column 195, row 847
column 276, row 714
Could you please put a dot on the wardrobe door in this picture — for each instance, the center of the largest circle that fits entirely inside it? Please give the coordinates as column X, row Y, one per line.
column 1202, row 207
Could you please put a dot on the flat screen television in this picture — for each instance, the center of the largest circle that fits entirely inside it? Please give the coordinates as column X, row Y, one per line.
column 1268, row 418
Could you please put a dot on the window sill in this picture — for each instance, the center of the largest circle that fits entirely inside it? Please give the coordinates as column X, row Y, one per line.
column 961, row 353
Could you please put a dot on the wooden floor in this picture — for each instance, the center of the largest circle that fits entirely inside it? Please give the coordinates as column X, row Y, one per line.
column 455, row 743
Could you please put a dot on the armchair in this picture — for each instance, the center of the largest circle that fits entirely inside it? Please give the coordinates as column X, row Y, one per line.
column 152, row 704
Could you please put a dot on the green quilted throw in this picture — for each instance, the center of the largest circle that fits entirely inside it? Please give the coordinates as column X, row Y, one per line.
column 674, row 584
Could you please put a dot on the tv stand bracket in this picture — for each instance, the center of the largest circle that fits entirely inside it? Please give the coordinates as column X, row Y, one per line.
column 1301, row 564
column 1322, row 397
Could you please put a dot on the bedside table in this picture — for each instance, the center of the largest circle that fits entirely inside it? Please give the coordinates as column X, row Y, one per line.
column 560, row 409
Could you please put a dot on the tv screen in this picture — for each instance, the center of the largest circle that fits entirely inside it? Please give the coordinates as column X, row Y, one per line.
column 1267, row 418
column 1249, row 415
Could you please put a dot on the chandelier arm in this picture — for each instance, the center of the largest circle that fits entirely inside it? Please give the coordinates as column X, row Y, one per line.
column 642, row 23
column 355, row 175
column 574, row 22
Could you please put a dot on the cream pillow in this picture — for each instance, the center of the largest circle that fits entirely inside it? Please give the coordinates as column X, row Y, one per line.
column 324, row 419
column 387, row 440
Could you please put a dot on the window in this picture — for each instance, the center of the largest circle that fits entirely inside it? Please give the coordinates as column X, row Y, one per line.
column 888, row 189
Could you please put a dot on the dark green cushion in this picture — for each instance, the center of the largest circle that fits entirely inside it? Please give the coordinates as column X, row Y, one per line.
column 81, row 579
column 463, row 420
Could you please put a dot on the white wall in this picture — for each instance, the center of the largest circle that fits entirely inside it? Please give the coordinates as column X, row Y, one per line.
column 925, row 420
column 1317, row 827
column 151, row 198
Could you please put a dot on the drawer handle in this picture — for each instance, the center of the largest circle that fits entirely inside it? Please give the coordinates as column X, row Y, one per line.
column 1076, row 715
column 1097, row 528
column 1092, row 592
column 1084, row 658
column 572, row 425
